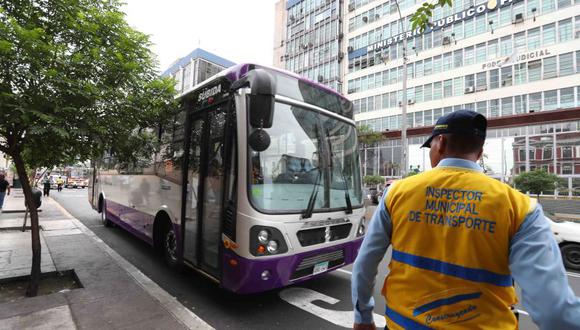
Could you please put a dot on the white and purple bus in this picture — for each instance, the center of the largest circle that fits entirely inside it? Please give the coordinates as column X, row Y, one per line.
column 256, row 183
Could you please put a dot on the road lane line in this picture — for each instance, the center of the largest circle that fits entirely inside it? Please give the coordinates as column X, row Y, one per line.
column 303, row 298
column 344, row 271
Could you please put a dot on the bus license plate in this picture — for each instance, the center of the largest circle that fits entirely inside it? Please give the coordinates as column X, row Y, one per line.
column 320, row 267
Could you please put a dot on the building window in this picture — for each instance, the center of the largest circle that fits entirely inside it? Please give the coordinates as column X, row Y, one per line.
column 469, row 81
column 492, row 48
column 534, row 70
column 480, row 53
column 437, row 91
column 428, row 66
column 550, row 100
column 447, row 62
column 520, row 41
column 565, row 30
column 458, row 86
column 506, row 46
column 419, row 69
column 436, row 64
column 428, row 92
column 505, row 16
column 468, row 28
column 469, row 56
column 520, row 104
column 419, row 94
column 550, row 67
column 567, row 152
column 547, row 154
column 481, row 81
column 563, row 4
column 494, row 108
column 522, row 154
column 578, row 57
column 481, row 107
column 520, row 73
column 567, row 169
column 533, row 5
column 448, row 88
column 567, row 97
column 534, row 41
column 506, row 76
column 548, row 6
column 566, row 64
column 549, row 34
column 507, row 106
column 458, row 58
column 494, row 78
column 535, row 102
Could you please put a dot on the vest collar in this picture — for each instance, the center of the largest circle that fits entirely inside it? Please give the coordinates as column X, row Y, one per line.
column 459, row 162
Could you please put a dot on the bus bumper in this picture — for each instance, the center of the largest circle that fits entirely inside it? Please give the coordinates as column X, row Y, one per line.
column 245, row 276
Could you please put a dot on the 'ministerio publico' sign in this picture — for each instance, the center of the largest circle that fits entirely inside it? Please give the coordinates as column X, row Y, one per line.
column 444, row 22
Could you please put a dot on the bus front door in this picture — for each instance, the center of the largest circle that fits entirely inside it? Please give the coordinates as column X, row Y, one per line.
column 203, row 211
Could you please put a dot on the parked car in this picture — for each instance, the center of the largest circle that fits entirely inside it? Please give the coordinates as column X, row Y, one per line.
column 568, row 237
column 374, row 196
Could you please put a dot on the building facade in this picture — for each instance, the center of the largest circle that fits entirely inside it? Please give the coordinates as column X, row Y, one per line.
column 505, row 59
column 194, row 68
column 312, row 39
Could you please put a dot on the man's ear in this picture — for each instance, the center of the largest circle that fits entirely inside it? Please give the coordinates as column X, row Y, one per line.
column 442, row 145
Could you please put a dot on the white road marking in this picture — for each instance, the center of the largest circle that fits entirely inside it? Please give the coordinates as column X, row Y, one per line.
column 303, row 298
column 344, row 271
column 573, row 274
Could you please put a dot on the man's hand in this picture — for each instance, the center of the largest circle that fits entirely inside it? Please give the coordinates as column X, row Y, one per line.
column 364, row 326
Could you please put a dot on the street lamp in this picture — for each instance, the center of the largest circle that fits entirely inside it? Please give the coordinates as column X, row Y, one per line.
column 404, row 101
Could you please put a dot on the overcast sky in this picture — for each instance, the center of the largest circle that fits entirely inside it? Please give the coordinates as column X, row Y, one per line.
column 237, row 30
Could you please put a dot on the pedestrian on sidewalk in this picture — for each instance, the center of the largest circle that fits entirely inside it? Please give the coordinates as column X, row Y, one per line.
column 459, row 240
column 4, row 189
column 46, row 186
column 59, row 183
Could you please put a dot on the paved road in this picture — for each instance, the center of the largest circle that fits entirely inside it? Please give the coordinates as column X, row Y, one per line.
column 224, row 310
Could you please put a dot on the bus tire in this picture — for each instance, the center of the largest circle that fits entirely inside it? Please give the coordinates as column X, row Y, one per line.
column 166, row 242
column 104, row 220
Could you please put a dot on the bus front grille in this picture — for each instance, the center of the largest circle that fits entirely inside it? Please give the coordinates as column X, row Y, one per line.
column 311, row 236
column 340, row 231
column 306, row 266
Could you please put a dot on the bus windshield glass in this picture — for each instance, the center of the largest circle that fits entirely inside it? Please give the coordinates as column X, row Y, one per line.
column 311, row 155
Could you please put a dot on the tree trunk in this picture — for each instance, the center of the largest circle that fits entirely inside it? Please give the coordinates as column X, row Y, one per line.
column 32, row 289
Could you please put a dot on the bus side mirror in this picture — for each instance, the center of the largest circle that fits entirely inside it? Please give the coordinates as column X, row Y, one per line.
column 261, row 107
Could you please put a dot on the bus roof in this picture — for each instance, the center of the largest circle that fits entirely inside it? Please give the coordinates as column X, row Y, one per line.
column 238, row 71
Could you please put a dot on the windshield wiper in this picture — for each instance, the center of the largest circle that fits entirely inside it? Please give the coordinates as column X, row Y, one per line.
column 308, row 212
column 341, row 170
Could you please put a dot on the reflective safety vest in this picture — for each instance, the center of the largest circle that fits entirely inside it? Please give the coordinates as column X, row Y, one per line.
column 452, row 228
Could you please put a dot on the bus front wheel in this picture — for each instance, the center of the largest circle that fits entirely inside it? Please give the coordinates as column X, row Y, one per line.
column 106, row 222
column 170, row 246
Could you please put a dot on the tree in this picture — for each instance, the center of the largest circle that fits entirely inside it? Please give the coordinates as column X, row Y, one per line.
column 75, row 80
column 537, row 181
column 368, row 137
column 420, row 19
column 373, row 180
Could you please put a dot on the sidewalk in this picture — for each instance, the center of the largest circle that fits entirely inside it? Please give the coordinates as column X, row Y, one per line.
column 115, row 294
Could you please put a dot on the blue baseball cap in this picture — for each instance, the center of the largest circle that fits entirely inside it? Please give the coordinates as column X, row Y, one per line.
column 461, row 122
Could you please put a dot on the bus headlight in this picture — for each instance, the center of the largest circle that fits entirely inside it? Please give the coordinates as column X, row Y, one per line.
column 272, row 247
column 266, row 241
column 361, row 227
column 263, row 236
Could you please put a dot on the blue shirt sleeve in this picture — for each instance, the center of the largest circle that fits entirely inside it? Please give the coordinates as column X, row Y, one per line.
column 536, row 265
column 372, row 251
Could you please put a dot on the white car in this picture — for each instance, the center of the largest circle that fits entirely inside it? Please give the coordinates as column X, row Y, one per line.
column 568, row 237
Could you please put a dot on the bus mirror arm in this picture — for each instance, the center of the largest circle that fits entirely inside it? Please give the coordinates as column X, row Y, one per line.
column 261, row 98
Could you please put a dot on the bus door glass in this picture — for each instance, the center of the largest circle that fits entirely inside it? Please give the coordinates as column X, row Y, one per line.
column 193, row 182
column 205, row 190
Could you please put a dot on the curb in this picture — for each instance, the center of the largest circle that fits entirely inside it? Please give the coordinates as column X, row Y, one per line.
column 168, row 302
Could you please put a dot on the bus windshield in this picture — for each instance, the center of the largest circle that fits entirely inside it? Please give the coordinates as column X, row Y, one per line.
column 311, row 155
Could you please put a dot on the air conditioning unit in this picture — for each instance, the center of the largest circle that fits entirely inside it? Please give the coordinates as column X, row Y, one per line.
column 400, row 103
column 320, row 78
column 469, row 89
column 385, row 56
column 350, row 49
column 340, row 36
column 446, row 40
column 481, row 88
column 411, row 101
column 518, row 18
column 287, row 56
column 340, row 55
column 577, row 34
column 305, row 45
column 377, row 16
column 365, row 19
column 351, row 6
